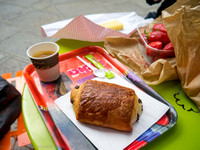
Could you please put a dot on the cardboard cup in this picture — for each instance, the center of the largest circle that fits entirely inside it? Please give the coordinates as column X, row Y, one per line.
column 47, row 67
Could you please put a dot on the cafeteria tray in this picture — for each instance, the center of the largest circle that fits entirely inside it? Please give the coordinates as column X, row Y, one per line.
column 72, row 74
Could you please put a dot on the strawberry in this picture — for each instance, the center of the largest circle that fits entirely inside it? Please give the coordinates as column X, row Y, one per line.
column 150, row 51
column 166, row 54
column 155, row 36
column 165, row 38
column 159, row 27
column 169, row 46
column 168, row 51
column 144, row 37
column 159, row 36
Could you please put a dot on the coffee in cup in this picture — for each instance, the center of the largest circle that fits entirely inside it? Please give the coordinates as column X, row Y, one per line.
column 44, row 57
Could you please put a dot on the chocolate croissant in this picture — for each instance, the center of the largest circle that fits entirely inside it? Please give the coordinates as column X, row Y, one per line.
column 106, row 104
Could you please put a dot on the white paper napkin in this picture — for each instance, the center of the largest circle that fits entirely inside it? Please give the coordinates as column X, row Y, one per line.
column 107, row 139
column 86, row 28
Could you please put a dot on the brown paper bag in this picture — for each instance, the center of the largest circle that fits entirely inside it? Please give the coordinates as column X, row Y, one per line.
column 127, row 51
column 182, row 22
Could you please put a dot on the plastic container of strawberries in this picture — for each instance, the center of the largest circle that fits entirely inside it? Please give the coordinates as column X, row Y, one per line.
column 143, row 45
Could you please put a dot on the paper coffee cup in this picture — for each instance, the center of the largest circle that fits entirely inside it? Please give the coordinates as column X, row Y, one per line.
column 44, row 56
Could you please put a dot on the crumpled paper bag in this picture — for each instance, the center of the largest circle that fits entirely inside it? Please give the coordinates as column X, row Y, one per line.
column 182, row 22
column 127, row 51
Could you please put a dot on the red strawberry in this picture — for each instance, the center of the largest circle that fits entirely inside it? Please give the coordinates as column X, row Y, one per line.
column 144, row 37
column 155, row 36
column 150, row 51
column 169, row 46
column 159, row 27
column 165, row 38
column 168, row 51
column 159, row 36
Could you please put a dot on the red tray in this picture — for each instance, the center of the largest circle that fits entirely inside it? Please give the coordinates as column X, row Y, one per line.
column 73, row 72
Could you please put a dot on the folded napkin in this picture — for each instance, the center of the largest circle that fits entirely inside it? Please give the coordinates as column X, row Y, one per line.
column 106, row 138
column 87, row 28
